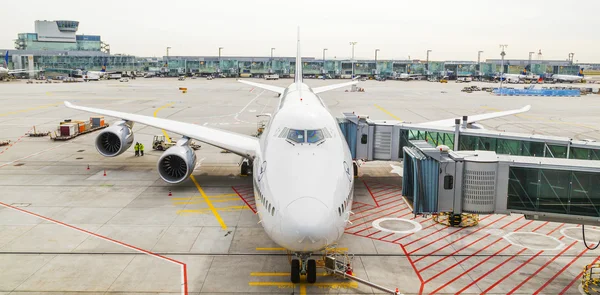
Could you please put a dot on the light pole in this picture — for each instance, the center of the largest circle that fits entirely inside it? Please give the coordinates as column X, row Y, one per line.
column 167, row 63
column 503, row 46
column 479, row 62
column 323, row 71
column 376, row 50
column 427, row 65
column 219, row 68
column 271, row 66
column 353, row 43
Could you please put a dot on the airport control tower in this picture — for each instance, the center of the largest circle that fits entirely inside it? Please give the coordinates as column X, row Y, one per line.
column 59, row 35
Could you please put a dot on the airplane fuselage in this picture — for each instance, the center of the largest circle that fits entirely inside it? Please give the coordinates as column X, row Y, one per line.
column 303, row 177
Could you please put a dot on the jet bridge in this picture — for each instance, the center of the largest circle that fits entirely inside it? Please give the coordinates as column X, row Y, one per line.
column 384, row 140
column 437, row 179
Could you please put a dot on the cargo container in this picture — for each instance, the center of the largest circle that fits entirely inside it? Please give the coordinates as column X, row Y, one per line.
column 97, row 121
column 68, row 129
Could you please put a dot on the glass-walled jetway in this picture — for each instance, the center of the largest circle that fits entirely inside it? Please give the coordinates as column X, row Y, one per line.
column 384, row 140
column 481, row 182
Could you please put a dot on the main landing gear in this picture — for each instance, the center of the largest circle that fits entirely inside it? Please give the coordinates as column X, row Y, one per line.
column 246, row 167
column 303, row 265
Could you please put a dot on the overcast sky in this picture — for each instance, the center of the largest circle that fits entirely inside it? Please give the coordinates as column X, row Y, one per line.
column 454, row 30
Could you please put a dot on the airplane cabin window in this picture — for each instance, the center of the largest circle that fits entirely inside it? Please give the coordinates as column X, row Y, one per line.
column 273, row 211
column 314, row 136
column 296, row 135
column 339, row 211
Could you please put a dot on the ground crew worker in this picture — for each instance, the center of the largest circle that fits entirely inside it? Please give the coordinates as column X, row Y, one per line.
column 136, row 148
column 141, row 149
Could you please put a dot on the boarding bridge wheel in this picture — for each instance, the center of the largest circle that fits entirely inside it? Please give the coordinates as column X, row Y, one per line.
column 590, row 280
column 295, row 271
column 456, row 220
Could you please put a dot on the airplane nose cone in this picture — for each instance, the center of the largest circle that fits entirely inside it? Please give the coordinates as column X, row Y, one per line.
column 307, row 225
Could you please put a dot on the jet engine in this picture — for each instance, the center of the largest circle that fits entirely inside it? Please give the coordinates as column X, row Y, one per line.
column 177, row 163
column 475, row 126
column 115, row 139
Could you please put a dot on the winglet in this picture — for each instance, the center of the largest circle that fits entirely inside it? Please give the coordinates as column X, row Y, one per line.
column 6, row 60
column 68, row 104
column 298, row 73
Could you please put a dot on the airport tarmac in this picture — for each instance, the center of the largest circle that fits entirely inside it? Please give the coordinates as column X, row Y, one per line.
column 117, row 228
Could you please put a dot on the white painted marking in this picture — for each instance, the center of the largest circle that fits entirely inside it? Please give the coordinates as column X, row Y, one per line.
column 416, row 226
column 564, row 233
column 558, row 247
column 245, row 107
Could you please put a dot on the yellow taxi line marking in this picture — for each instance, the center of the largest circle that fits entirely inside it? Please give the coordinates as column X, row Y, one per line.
column 194, row 202
column 302, row 289
column 156, row 112
column 29, row 109
column 210, row 197
column 387, row 112
column 289, row 284
column 204, row 196
column 270, row 249
column 279, row 274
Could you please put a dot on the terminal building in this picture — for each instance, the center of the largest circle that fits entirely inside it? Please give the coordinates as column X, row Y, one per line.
column 55, row 46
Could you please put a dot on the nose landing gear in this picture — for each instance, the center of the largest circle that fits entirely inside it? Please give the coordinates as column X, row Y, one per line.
column 303, row 265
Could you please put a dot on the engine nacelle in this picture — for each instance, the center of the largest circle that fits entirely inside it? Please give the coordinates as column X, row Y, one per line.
column 115, row 139
column 177, row 163
column 475, row 126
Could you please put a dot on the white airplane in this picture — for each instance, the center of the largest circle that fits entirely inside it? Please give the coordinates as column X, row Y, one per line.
column 5, row 72
column 569, row 78
column 302, row 168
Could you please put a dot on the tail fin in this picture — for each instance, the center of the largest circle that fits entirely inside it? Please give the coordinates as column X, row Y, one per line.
column 298, row 73
column 6, row 60
column 580, row 72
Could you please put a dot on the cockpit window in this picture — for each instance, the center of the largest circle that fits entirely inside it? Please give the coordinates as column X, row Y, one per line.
column 296, row 135
column 314, row 136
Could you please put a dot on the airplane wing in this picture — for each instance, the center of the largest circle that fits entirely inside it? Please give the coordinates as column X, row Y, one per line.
column 321, row 89
column 243, row 145
column 22, row 71
column 276, row 89
column 478, row 118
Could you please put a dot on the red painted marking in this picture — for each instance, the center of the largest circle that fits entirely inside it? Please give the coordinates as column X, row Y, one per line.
column 400, row 238
column 461, row 238
column 448, row 256
column 402, row 209
column 465, row 259
column 414, row 268
column 374, row 233
column 491, row 271
column 244, row 200
column 499, row 265
column 541, row 268
column 561, row 271
column 390, row 192
column 383, row 190
column 371, row 220
column 18, row 140
column 376, row 204
column 372, row 213
column 380, row 206
column 385, row 236
column 443, row 236
column 394, row 196
column 519, row 267
column 368, row 227
column 543, row 224
column 470, row 269
column 107, row 239
column 576, row 279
